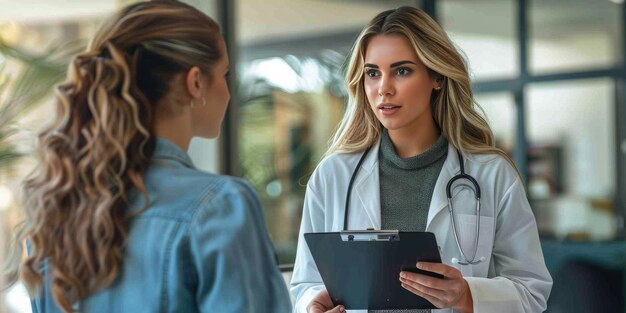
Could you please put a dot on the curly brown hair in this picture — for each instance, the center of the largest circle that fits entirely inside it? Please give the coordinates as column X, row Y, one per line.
column 101, row 141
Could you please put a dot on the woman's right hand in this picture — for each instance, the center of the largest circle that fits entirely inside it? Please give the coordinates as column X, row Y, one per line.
column 322, row 304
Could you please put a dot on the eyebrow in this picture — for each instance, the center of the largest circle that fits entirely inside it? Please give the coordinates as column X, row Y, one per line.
column 396, row 64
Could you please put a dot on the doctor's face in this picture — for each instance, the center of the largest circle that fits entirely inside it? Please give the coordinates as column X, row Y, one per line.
column 397, row 84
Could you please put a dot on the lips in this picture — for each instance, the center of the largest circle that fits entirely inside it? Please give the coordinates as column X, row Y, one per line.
column 388, row 108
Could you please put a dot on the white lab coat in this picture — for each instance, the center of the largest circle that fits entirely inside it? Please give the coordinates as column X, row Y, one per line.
column 512, row 279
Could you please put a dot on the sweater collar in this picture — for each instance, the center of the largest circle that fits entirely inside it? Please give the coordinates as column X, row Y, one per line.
column 388, row 153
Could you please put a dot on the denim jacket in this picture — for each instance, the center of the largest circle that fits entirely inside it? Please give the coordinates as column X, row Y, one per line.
column 201, row 246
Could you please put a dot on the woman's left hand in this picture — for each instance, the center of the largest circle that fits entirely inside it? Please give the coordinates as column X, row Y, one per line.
column 451, row 291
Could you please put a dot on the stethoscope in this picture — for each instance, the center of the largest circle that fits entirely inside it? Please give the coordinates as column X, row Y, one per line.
column 462, row 175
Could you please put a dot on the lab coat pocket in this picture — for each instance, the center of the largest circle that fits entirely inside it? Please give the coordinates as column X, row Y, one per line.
column 466, row 228
column 463, row 199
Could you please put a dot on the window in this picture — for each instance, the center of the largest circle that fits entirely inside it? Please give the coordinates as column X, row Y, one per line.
column 571, row 135
column 573, row 35
column 490, row 45
column 292, row 98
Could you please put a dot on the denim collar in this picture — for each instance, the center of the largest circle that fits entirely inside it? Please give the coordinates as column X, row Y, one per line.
column 165, row 149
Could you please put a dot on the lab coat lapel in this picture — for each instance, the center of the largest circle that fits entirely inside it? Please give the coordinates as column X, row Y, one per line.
column 367, row 188
column 439, row 200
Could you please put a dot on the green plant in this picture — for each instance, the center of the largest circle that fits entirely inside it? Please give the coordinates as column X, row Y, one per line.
column 21, row 91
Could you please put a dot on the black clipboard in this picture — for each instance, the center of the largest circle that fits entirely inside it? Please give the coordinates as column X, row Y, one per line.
column 361, row 269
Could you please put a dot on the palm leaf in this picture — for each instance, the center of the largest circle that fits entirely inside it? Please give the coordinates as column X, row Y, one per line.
column 8, row 156
column 35, row 80
column 25, row 90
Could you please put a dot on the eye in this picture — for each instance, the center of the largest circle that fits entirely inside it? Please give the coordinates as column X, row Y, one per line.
column 371, row 73
column 403, row 71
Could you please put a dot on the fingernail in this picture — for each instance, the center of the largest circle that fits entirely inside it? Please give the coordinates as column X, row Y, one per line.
column 402, row 274
column 418, row 265
column 342, row 309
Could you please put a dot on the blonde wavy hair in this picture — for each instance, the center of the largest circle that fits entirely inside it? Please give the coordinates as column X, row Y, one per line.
column 95, row 152
column 454, row 109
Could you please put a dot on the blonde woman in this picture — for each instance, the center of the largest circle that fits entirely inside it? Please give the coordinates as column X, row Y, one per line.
column 119, row 219
column 410, row 127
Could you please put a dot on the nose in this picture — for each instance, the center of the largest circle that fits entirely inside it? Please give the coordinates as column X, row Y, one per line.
column 385, row 87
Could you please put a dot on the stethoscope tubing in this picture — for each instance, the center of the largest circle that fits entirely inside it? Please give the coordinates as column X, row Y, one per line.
column 462, row 175
column 356, row 171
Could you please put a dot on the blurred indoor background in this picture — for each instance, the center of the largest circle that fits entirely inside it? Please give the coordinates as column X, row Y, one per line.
column 549, row 75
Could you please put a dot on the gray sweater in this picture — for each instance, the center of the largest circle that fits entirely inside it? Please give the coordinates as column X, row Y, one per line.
column 407, row 184
column 406, row 188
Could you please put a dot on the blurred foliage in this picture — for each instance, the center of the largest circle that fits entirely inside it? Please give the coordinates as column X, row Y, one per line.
column 257, row 117
column 22, row 90
column 268, row 113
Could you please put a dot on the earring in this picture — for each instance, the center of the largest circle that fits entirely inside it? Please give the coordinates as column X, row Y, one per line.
column 192, row 104
column 438, row 88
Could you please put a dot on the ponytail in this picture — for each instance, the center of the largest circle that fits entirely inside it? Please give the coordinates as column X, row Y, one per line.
column 106, row 145
column 101, row 142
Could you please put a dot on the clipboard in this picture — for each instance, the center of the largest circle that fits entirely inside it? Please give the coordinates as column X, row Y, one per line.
column 361, row 269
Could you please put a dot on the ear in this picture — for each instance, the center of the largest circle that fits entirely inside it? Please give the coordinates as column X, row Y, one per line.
column 437, row 81
column 193, row 82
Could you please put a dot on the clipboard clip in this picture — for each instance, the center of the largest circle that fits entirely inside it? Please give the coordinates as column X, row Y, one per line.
column 370, row 235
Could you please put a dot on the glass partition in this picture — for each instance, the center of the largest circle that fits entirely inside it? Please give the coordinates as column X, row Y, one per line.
column 485, row 31
column 573, row 35
column 571, row 158
column 292, row 97
column 502, row 117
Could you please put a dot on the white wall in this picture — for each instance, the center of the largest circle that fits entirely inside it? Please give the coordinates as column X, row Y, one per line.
column 205, row 154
